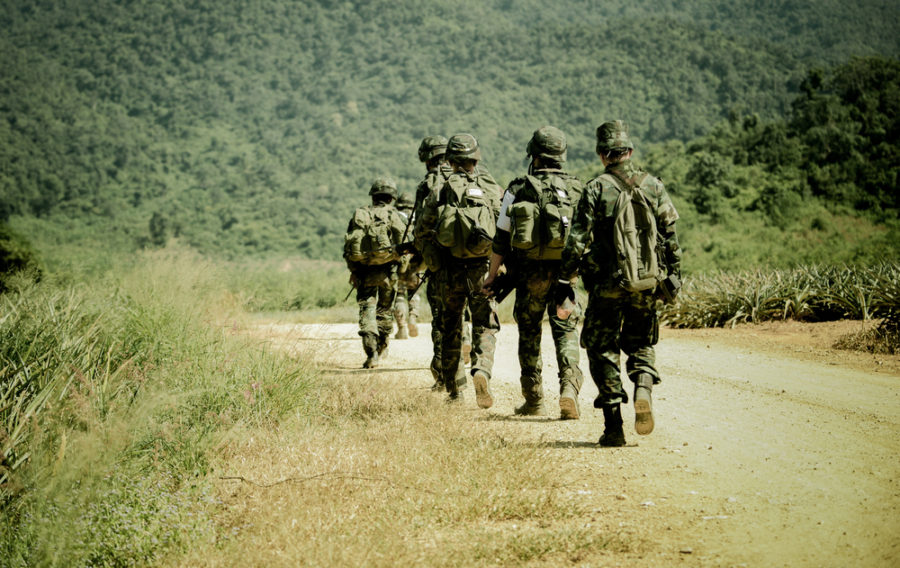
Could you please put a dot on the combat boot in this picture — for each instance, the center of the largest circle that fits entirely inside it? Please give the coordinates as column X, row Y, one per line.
column 402, row 333
column 568, row 401
column 467, row 353
column 438, row 385
column 370, row 346
column 412, row 327
column 643, row 405
column 613, row 435
column 382, row 345
column 532, row 407
column 483, row 395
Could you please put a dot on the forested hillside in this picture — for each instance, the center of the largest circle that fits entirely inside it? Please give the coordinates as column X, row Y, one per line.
column 241, row 127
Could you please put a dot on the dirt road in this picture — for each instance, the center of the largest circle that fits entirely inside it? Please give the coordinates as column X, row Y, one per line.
column 770, row 449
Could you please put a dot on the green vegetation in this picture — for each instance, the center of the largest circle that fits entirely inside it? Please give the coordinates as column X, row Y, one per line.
column 116, row 392
column 237, row 128
column 810, row 293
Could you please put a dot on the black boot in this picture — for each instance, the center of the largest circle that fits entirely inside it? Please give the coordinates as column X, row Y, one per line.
column 370, row 346
column 613, row 435
column 643, row 406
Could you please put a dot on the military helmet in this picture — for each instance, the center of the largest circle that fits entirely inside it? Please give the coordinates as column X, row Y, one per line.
column 384, row 186
column 547, row 142
column 463, row 146
column 432, row 146
column 405, row 202
column 613, row 136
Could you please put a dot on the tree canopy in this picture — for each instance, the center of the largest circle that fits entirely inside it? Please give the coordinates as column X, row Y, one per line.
column 256, row 127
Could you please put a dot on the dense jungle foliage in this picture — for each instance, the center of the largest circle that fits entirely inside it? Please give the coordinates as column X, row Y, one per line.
column 255, row 128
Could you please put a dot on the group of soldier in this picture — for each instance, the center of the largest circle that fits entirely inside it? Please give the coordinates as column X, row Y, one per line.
column 463, row 286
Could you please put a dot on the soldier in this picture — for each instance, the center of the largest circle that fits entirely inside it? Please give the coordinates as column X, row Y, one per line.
column 460, row 221
column 406, row 305
column 618, row 317
column 372, row 259
column 432, row 152
column 547, row 192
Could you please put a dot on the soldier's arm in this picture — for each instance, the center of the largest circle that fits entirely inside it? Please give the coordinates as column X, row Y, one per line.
column 581, row 235
column 424, row 223
column 666, row 216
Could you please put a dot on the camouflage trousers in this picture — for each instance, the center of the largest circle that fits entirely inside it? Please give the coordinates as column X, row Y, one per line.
column 433, row 291
column 375, row 297
column 460, row 283
column 406, row 307
column 534, row 298
column 616, row 324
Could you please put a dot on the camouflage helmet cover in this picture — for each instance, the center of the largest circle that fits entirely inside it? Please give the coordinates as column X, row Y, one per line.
column 613, row 135
column 405, row 202
column 547, row 142
column 432, row 146
column 384, row 186
column 463, row 146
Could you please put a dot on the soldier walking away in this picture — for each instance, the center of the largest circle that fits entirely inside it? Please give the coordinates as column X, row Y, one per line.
column 625, row 275
column 535, row 219
column 460, row 220
column 372, row 257
column 409, row 274
column 432, row 152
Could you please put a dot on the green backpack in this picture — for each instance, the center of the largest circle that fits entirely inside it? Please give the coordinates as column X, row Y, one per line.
column 635, row 236
column 372, row 236
column 465, row 219
column 541, row 215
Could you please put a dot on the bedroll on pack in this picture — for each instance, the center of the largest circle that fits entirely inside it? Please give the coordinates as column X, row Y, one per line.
column 541, row 217
column 466, row 223
column 372, row 236
column 635, row 238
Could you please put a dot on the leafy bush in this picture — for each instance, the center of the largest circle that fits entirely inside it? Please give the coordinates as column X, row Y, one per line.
column 16, row 257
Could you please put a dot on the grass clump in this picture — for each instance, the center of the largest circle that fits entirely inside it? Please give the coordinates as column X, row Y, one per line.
column 116, row 393
column 387, row 475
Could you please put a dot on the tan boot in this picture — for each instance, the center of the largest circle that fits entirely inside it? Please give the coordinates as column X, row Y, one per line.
column 483, row 395
column 643, row 405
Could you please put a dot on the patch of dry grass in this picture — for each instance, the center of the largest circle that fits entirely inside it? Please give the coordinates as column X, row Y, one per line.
column 391, row 476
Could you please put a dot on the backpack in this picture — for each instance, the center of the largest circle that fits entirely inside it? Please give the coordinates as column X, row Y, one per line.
column 372, row 236
column 635, row 237
column 465, row 220
column 541, row 215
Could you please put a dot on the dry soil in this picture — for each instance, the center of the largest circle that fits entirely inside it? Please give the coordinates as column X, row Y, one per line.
column 771, row 448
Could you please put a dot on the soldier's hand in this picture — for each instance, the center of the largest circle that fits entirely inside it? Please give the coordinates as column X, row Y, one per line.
column 354, row 279
column 563, row 292
column 486, row 286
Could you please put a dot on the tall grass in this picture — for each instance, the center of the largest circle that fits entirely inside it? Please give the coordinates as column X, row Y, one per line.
column 811, row 293
column 115, row 394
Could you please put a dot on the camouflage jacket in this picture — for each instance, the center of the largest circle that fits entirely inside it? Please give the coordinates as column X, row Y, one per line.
column 398, row 224
column 433, row 182
column 589, row 248
column 425, row 223
column 502, row 238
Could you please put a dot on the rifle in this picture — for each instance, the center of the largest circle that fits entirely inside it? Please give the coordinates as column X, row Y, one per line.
column 422, row 280
column 352, row 288
column 505, row 282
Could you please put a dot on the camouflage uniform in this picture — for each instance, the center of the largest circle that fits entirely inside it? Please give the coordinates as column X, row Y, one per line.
column 535, row 281
column 431, row 152
column 616, row 320
column 459, row 281
column 406, row 305
column 376, row 285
